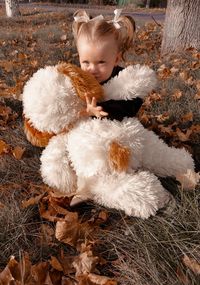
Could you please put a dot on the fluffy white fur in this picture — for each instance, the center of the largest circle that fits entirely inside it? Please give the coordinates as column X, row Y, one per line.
column 78, row 160
column 56, row 168
column 133, row 81
column 138, row 194
column 147, row 150
column 50, row 101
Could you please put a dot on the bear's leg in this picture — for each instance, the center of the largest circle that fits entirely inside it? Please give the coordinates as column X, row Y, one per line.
column 163, row 160
column 55, row 168
column 139, row 194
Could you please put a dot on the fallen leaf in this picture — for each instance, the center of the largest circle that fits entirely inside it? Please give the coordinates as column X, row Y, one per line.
column 32, row 201
column 187, row 117
column 192, row 264
column 101, row 280
column 85, row 263
column 39, row 272
column 18, row 152
column 103, row 215
column 197, row 96
column 4, row 147
column 177, row 94
column 6, row 277
column 181, row 276
column 162, row 118
column 183, row 136
column 56, row 264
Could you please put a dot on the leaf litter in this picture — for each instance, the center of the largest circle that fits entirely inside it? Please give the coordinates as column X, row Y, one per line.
column 76, row 251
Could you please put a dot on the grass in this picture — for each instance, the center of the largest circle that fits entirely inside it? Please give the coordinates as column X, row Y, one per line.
column 138, row 252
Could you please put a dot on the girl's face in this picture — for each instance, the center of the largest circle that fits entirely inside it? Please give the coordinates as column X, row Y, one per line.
column 98, row 58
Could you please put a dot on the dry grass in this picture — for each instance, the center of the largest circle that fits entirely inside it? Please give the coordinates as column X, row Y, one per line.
column 140, row 252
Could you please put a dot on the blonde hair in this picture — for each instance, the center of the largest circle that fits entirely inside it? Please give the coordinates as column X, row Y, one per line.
column 98, row 28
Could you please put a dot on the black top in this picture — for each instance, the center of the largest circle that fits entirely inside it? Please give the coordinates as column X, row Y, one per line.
column 118, row 109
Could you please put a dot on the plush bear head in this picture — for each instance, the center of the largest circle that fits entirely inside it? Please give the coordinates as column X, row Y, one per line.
column 53, row 99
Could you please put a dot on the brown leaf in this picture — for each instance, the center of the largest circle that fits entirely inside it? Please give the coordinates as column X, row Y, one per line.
column 56, row 264
column 162, row 118
column 177, row 94
column 39, row 272
column 164, row 72
column 85, row 262
column 187, row 117
column 198, row 85
column 18, row 152
column 4, row 147
column 192, row 264
column 103, row 215
column 101, row 280
column 197, row 96
column 183, row 136
column 166, row 130
column 32, row 201
column 93, row 279
column 5, row 276
column 68, row 232
column 184, row 75
column 181, row 276
column 47, row 234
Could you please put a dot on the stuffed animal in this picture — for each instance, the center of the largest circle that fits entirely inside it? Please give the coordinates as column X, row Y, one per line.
column 113, row 163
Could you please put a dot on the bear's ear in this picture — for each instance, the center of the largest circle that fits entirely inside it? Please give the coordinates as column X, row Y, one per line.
column 36, row 137
column 82, row 81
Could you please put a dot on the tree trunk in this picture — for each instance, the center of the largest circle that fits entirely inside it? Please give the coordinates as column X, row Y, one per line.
column 148, row 3
column 12, row 8
column 182, row 26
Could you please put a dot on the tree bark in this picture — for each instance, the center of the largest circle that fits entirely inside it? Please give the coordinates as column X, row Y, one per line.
column 148, row 3
column 182, row 26
column 12, row 8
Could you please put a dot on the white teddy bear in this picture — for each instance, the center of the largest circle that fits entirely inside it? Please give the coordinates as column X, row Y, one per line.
column 113, row 163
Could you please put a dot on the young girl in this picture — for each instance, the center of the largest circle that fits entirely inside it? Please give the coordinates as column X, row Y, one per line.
column 101, row 45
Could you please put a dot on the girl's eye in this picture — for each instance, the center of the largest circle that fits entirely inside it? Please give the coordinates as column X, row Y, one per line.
column 102, row 62
column 85, row 62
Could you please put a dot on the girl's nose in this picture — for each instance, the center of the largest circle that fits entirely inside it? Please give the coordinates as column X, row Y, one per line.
column 92, row 68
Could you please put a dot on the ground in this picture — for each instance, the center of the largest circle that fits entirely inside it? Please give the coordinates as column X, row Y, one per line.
column 90, row 244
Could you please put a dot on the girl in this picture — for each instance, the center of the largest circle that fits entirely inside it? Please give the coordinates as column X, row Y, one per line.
column 101, row 45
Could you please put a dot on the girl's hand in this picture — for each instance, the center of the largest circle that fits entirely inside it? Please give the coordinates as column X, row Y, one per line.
column 94, row 110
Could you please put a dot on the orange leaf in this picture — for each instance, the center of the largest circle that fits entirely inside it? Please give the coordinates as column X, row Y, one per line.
column 163, row 117
column 187, row 117
column 192, row 264
column 4, row 147
column 32, row 201
column 197, row 96
column 56, row 264
column 181, row 276
column 177, row 94
column 6, row 276
column 39, row 272
column 18, row 152
column 101, row 280
column 103, row 215
column 183, row 136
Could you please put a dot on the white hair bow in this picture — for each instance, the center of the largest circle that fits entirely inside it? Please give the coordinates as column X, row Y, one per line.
column 115, row 20
column 85, row 18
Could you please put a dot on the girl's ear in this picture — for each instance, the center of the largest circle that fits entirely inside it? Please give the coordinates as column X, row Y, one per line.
column 118, row 58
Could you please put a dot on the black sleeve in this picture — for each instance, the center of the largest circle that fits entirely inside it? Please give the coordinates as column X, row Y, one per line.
column 118, row 109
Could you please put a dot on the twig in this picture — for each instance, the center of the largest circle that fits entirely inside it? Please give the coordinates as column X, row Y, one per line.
column 156, row 22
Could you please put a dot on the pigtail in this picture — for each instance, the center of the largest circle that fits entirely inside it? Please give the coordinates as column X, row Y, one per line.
column 80, row 18
column 126, row 33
